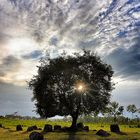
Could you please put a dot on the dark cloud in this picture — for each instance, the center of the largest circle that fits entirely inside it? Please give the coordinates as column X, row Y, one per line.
column 10, row 60
column 9, row 64
column 126, row 62
column 4, row 37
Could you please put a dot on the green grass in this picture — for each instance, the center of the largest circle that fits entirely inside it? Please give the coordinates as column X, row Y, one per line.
column 9, row 132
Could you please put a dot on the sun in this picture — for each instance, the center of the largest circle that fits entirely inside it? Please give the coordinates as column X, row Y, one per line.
column 80, row 88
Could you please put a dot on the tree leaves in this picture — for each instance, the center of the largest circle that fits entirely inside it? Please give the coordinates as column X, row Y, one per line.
column 54, row 87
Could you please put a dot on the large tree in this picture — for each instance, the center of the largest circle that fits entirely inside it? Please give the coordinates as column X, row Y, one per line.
column 71, row 85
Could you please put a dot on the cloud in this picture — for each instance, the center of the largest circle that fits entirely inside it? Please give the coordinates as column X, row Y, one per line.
column 110, row 28
column 4, row 37
column 8, row 64
column 33, row 55
column 126, row 62
column 17, row 71
column 53, row 41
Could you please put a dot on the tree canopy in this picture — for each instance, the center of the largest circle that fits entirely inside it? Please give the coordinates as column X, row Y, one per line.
column 114, row 110
column 132, row 108
column 72, row 85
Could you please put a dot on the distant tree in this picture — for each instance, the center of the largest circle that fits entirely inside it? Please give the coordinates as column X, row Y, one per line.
column 1, row 117
column 132, row 109
column 114, row 110
column 138, row 110
column 72, row 85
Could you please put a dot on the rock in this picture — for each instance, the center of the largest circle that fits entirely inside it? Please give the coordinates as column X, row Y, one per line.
column 57, row 128
column 31, row 128
column 36, row 136
column 18, row 128
column 114, row 128
column 80, row 126
column 138, row 126
column 102, row 133
column 47, row 128
column 0, row 125
column 34, row 127
column 86, row 128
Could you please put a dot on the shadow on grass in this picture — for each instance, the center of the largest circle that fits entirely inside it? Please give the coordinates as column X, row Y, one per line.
column 120, row 133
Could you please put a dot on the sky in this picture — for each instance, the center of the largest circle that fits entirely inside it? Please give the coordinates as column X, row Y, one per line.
column 110, row 28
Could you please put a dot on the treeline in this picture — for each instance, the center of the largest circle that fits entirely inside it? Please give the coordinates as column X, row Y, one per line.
column 113, row 113
column 12, row 116
column 106, row 120
column 109, row 120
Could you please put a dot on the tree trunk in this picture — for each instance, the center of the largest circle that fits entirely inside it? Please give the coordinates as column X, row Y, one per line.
column 74, row 121
column 132, row 116
column 115, row 119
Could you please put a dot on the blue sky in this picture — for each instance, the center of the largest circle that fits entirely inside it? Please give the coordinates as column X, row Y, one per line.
column 111, row 28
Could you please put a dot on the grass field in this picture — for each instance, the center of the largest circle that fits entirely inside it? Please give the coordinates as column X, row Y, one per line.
column 9, row 131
